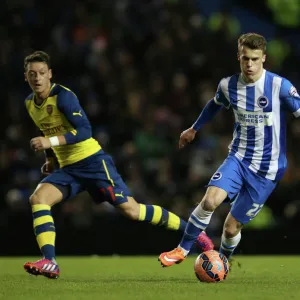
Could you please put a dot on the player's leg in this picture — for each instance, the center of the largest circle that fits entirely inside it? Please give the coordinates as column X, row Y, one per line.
column 42, row 199
column 245, row 208
column 231, row 235
column 159, row 216
column 153, row 214
column 227, row 181
column 197, row 223
column 51, row 190
column 108, row 185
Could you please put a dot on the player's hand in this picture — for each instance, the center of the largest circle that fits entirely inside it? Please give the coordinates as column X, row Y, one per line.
column 40, row 143
column 187, row 137
column 49, row 166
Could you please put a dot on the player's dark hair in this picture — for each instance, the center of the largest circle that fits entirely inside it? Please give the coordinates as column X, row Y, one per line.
column 253, row 41
column 37, row 56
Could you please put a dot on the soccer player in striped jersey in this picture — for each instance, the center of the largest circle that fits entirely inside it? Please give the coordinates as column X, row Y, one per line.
column 83, row 165
column 257, row 160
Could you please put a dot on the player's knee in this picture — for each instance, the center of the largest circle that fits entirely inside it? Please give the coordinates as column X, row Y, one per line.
column 232, row 230
column 46, row 194
column 209, row 204
column 36, row 198
column 42, row 197
column 213, row 198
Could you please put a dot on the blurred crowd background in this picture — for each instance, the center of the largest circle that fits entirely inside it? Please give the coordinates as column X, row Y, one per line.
column 142, row 70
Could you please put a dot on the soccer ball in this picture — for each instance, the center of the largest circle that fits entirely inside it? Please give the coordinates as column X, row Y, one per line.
column 211, row 266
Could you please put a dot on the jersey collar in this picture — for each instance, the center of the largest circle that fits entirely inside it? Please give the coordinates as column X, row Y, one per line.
column 50, row 94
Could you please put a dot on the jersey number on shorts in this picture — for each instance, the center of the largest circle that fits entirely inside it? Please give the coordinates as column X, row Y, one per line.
column 252, row 212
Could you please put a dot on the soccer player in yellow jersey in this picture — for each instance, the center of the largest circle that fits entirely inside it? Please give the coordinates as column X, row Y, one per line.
column 84, row 166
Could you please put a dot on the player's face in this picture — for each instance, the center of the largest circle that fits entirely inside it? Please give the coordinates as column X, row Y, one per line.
column 38, row 76
column 251, row 63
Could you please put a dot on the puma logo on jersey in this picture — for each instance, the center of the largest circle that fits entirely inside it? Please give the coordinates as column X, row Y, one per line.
column 77, row 113
column 120, row 195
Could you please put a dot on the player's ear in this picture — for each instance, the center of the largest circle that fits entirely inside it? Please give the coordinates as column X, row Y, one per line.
column 25, row 77
column 264, row 58
column 238, row 56
column 50, row 74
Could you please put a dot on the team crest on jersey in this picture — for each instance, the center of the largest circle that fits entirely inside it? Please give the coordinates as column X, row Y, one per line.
column 217, row 176
column 262, row 101
column 293, row 92
column 49, row 109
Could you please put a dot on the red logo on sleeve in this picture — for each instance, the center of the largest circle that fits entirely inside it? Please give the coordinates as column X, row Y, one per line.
column 293, row 92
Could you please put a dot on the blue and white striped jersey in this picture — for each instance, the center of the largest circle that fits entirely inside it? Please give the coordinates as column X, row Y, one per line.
column 259, row 138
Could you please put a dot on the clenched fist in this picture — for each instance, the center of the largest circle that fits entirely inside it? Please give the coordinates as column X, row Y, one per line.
column 40, row 143
column 186, row 137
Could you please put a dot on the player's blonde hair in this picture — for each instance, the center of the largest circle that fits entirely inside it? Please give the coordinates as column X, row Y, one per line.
column 253, row 41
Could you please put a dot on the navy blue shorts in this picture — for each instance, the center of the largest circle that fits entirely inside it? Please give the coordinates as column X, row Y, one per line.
column 248, row 190
column 96, row 174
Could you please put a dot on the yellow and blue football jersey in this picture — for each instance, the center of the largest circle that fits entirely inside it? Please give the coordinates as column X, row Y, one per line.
column 61, row 114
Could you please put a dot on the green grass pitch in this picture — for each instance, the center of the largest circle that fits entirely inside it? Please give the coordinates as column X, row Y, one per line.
column 139, row 278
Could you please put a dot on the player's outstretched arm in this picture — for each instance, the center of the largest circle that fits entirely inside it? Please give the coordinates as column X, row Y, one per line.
column 207, row 114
